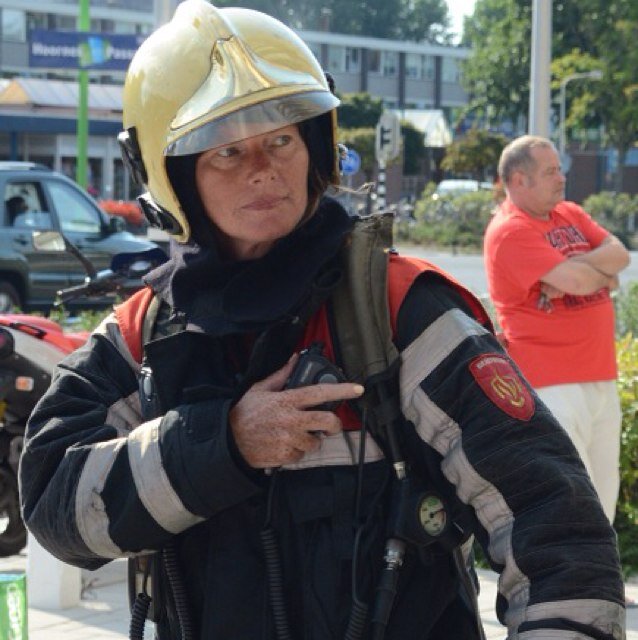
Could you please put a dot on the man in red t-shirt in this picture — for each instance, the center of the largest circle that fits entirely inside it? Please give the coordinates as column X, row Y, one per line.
column 550, row 269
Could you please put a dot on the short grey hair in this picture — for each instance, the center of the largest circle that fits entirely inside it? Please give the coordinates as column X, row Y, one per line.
column 517, row 156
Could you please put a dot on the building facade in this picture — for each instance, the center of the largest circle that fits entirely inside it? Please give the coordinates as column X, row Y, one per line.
column 404, row 75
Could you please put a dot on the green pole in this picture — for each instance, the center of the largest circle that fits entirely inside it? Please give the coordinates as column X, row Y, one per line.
column 83, row 101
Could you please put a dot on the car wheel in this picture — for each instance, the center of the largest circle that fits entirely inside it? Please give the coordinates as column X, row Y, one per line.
column 9, row 298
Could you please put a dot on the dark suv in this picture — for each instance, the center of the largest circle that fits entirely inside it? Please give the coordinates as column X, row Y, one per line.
column 34, row 198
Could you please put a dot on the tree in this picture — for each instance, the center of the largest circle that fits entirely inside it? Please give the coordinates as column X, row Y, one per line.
column 496, row 75
column 620, row 81
column 298, row 14
column 415, row 20
column 613, row 101
column 414, row 151
column 359, row 110
column 477, row 153
column 425, row 20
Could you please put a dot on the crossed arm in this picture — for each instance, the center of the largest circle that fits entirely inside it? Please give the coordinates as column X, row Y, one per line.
column 586, row 273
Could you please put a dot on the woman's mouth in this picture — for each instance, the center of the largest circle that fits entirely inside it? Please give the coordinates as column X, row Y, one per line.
column 264, row 204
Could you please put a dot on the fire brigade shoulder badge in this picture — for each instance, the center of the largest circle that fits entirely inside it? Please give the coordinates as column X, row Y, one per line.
column 502, row 384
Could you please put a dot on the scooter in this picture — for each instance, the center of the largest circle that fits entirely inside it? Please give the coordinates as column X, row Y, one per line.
column 30, row 348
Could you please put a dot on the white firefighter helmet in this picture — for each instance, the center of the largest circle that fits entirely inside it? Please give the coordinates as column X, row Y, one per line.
column 210, row 77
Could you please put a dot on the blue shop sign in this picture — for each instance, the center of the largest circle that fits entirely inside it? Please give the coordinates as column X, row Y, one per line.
column 82, row 50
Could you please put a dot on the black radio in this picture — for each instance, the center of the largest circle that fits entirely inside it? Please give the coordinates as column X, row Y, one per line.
column 313, row 367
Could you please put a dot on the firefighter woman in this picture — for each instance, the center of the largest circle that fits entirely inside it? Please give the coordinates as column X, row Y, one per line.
column 261, row 500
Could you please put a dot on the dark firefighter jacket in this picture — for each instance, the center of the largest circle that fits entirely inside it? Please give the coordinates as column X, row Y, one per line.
column 99, row 482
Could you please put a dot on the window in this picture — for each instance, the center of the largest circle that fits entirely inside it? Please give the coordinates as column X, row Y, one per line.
column 419, row 66
column 390, row 63
column 450, row 71
column 429, row 67
column 24, row 206
column 74, row 212
column 63, row 23
column 315, row 50
column 126, row 28
column 383, row 62
column 374, row 61
column 102, row 26
column 14, row 25
column 336, row 59
column 95, row 177
column 413, row 62
column 353, row 60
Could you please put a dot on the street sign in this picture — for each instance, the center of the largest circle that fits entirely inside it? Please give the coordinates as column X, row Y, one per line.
column 388, row 137
column 351, row 163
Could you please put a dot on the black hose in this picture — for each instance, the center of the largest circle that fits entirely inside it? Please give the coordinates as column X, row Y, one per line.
column 139, row 611
column 176, row 583
column 386, row 592
column 357, row 621
column 359, row 612
column 275, row 583
column 274, row 572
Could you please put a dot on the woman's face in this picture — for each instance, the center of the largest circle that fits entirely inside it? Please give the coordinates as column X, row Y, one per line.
column 255, row 190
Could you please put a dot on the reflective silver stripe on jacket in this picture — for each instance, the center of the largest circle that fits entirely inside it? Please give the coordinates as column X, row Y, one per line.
column 335, row 450
column 153, row 485
column 125, row 414
column 91, row 519
column 442, row 433
column 611, row 621
column 438, row 429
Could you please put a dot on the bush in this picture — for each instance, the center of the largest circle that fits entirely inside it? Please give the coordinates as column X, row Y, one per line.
column 616, row 212
column 86, row 320
column 627, row 511
column 626, row 303
column 449, row 221
column 460, row 221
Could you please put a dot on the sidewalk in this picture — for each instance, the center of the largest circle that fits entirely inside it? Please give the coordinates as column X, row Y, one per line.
column 103, row 613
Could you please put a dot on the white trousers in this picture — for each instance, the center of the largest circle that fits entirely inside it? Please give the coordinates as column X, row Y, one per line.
column 590, row 413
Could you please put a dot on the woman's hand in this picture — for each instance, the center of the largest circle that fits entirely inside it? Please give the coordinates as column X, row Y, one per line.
column 273, row 426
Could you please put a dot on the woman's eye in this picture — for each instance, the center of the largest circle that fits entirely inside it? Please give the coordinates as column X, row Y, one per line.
column 282, row 141
column 227, row 152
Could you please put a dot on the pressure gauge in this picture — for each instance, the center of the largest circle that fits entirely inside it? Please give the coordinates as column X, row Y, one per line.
column 432, row 515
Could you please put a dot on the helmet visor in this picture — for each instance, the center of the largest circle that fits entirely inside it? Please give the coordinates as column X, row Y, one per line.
column 253, row 121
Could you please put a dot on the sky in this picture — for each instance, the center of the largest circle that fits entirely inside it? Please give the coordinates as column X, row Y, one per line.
column 458, row 9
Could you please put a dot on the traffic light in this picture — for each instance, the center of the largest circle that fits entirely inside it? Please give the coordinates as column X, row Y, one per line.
column 384, row 137
column 388, row 135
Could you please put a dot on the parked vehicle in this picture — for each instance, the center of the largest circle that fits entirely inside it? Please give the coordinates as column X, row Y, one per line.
column 35, row 198
column 456, row 187
column 30, row 347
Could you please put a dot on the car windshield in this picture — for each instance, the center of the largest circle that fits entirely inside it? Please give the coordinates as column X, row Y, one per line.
column 451, row 186
column 447, row 187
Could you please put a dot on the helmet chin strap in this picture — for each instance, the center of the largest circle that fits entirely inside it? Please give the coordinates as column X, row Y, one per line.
column 132, row 155
column 158, row 216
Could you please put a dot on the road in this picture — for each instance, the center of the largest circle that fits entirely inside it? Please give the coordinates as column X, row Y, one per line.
column 468, row 269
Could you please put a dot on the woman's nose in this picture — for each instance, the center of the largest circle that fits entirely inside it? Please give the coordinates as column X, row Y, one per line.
column 261, row 165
